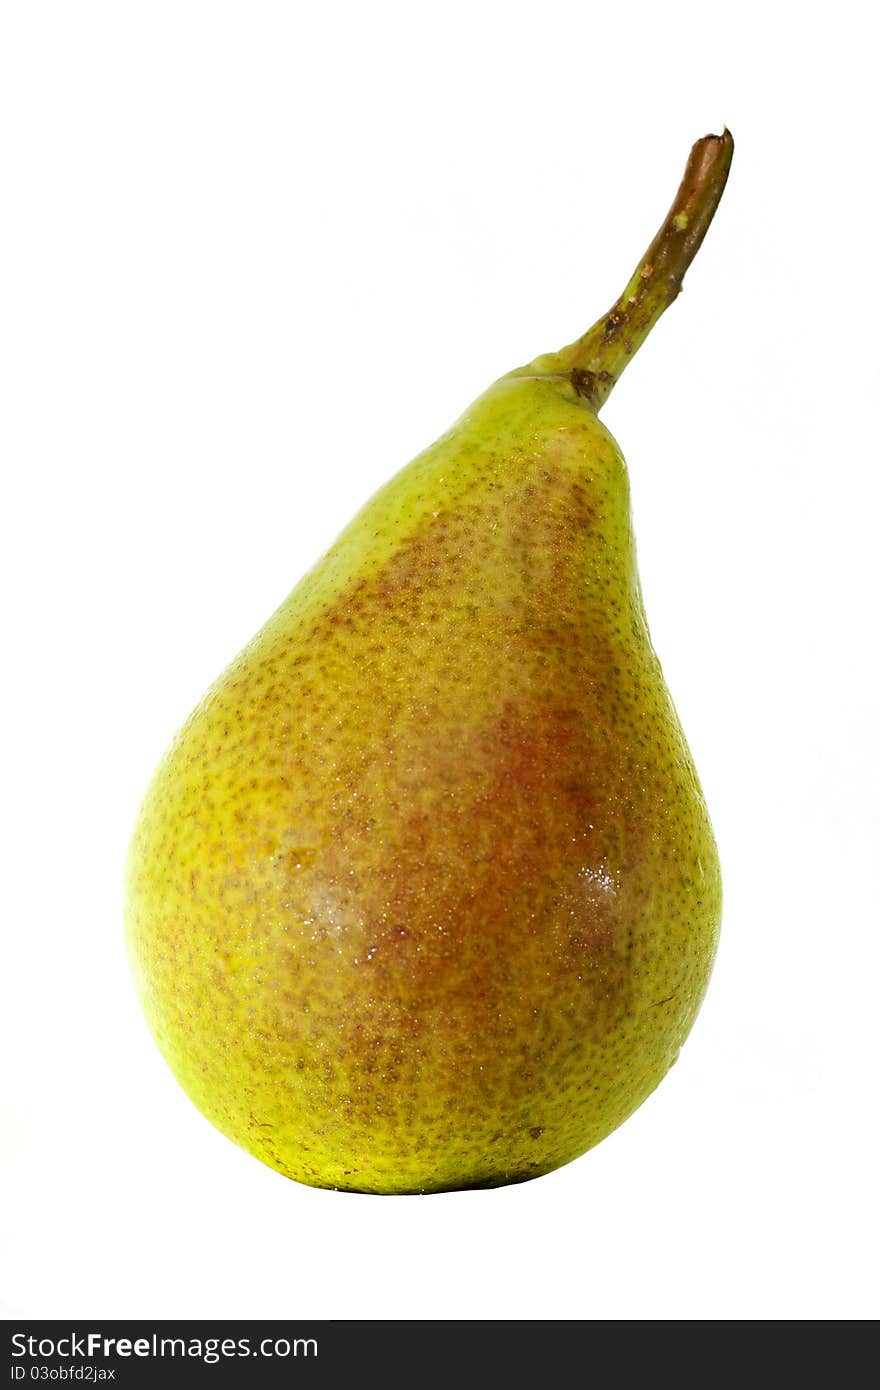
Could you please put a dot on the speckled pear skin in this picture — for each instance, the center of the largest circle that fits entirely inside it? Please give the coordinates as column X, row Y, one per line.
column 425, row 895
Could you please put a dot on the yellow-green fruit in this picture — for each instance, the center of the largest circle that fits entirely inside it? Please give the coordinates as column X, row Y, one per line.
column 424, row 894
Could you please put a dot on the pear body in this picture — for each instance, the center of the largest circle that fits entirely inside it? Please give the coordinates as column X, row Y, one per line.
column 424, row 895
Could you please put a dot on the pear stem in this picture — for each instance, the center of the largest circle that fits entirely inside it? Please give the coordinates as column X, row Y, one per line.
column 596, row 360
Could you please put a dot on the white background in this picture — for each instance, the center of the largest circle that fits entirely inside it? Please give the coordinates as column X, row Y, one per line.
column 255, row 256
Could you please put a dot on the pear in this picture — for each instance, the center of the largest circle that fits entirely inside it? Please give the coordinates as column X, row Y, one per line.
column 424, row 894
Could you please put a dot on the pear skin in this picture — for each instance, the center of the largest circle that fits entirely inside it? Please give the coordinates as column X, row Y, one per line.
column 425, row 895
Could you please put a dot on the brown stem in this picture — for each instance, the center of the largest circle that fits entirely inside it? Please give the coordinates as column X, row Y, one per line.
column 596, row 360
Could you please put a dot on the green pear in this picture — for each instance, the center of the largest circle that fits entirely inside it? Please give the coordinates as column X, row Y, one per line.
column 424, row 894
